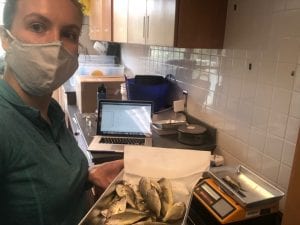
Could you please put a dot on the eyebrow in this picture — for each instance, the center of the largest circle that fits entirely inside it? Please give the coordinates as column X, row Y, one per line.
column 46, row 20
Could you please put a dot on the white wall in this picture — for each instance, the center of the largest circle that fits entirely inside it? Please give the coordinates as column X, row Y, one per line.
column 257, row 111
column 86, row 45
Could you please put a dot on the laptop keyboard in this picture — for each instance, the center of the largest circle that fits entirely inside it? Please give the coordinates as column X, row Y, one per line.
column 120, row 140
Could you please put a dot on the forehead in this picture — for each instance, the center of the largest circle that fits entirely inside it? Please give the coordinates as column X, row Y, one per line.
column 63, row 12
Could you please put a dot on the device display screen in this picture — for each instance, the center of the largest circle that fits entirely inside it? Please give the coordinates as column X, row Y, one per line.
column 210, row 191
column 222, row 207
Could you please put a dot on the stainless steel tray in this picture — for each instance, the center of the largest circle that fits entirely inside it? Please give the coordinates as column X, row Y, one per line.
column 169, row 124
column 92, row 217
column 252, row 190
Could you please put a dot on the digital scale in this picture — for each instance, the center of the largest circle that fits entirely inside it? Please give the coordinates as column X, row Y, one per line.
column 227, row 205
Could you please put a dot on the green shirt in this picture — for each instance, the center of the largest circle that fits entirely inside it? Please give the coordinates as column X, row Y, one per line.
column 43, row 172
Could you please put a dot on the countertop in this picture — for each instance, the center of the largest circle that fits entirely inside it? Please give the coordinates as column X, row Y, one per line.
column 84, row 125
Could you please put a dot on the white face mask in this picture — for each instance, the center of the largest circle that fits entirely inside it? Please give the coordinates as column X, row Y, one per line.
column 40, row 68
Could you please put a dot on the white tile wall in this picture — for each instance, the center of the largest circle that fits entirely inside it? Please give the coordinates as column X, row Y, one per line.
column 270, row 168
column 86, row 45
column 274, row 147
column 257, row 111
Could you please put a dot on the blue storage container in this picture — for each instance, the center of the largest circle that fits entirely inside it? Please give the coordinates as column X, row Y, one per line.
column 149, row 88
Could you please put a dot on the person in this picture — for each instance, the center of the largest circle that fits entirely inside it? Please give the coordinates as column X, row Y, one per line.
column 44, row 175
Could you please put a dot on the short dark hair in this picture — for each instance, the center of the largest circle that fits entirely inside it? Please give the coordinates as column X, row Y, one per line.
column 11, row 6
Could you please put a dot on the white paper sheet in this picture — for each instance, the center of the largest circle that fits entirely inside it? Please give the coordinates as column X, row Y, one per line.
column 180, row 165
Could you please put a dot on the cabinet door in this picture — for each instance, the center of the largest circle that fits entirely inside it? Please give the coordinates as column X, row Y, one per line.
column 200, row 23
column 120, row 8
column 160, row 22
column 136, row 21
column 100, row 20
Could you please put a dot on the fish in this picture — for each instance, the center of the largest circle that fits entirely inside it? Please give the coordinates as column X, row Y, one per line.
column 95, row 212
column 166, row 195
column 233, row 183
column 125, row 218
column 153, row 201
column 176, row 212
column 139, row 200
column 117, row 207
column 106, row 201
column 124, row 190
column 150, row 202
column 155, row 185
column 144, row 186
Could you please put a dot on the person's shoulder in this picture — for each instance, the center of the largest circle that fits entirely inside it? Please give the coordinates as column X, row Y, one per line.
column 7, row 115
column 7, row 129
column 55, row 107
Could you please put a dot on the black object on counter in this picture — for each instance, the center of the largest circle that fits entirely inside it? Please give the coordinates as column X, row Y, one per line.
column 101, row 92
column 192, row 134
column 199, row 215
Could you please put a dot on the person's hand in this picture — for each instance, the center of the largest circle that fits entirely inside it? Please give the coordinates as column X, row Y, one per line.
column 103, row 174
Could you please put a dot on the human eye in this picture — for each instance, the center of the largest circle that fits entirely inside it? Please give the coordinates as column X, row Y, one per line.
column 71, row 35
column 37, row 27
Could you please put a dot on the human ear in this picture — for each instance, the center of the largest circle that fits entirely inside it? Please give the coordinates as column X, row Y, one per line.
column 4, row 39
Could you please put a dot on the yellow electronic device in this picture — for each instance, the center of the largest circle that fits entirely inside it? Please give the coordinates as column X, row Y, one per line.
column 223, row 207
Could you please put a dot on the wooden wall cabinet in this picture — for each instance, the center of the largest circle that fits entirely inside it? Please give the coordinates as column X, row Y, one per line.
column 177, row 23
column 200, row 23
column 151, row 22
column 100, row 20
column 120, row 8
column 291, row 214
column 136, row 21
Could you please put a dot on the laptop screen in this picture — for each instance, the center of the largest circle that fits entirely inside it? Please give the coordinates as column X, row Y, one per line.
column 125, row 118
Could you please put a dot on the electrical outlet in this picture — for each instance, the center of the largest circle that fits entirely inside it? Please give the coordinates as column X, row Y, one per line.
column 178, row 106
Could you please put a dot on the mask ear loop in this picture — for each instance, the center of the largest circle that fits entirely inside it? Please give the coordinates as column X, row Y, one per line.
column 5, row 33
column 9, row 34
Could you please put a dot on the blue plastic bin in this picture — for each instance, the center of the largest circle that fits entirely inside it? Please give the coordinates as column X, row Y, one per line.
column 156, row 92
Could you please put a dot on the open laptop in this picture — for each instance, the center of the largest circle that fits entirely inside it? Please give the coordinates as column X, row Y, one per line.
column 120, row 123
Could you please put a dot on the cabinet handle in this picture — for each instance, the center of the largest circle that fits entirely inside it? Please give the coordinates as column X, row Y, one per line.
column 144, row 24
column 148, row 20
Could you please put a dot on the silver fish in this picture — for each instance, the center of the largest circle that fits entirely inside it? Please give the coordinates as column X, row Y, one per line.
column 106, row 201
column 117, row 207
column 126, row 191
column 95, row 212
column 233, row 183
column 166, row 196
column 144, row 186
column 155, row 185
column 125, row 218
column 139, row 200
column 176, row 212
column 153, row 201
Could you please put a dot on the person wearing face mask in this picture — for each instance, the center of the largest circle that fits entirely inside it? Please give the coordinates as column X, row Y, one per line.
column 44, row 175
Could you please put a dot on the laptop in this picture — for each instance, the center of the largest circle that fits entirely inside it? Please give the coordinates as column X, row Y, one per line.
column 120, row 123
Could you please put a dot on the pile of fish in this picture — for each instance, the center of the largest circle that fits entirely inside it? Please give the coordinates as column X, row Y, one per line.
column 150, row 202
